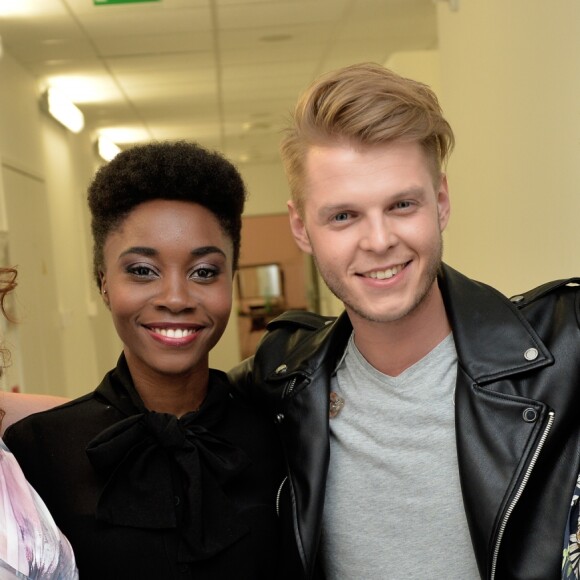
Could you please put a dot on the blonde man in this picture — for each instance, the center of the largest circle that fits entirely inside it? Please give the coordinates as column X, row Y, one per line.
column 432, row 430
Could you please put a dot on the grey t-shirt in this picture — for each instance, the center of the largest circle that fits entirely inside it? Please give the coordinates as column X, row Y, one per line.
column 393, row 505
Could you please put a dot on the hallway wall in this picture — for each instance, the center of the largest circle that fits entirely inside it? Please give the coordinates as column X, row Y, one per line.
column 44, row 172
column 510, row 86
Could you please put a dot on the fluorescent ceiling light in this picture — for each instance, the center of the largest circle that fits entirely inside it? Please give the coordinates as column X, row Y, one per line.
column 106, row 148
column 17, row 8
column 125, row 135
column 63, row 110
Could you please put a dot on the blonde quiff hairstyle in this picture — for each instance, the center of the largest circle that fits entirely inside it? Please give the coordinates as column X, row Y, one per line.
column 363, row 104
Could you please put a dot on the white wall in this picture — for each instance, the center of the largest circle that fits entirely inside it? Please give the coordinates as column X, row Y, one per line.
column 45, row 171
column 267, row 188
column 36, row 347
column 421, row 65
column 69, row 165
column 36, row 339
column 510, row 88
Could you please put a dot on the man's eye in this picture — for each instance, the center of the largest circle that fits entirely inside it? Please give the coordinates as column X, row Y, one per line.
column 341, row 217
column 403, row 204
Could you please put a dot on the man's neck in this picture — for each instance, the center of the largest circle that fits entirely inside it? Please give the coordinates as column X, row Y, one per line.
column 393, row 347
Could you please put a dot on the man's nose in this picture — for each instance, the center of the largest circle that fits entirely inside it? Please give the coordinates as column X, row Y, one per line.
column 377, row 235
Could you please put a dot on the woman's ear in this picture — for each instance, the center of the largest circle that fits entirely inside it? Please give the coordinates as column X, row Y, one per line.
column 104, row 293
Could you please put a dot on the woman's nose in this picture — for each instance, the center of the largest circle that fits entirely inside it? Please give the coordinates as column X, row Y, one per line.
column 175, row 294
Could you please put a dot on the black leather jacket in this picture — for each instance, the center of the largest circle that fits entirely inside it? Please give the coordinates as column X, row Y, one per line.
column 517, row 405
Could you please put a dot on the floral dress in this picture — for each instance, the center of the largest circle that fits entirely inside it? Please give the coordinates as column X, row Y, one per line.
column 571, row 559
column 31, row 545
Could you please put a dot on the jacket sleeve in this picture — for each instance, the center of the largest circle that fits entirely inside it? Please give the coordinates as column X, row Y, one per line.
column 241, row 380
column 288, row 345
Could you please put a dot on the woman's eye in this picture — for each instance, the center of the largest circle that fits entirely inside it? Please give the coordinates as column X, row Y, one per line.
column 140, row 271
column 204, row 273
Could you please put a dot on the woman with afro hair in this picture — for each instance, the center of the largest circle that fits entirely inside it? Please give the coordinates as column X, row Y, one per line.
column 161, row 472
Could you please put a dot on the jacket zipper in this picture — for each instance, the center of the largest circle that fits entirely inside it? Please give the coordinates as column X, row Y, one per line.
column 278, row 496
column 289, row 388
column 516, row 498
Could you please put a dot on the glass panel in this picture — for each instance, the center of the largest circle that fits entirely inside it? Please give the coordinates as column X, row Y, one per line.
column 260, row 282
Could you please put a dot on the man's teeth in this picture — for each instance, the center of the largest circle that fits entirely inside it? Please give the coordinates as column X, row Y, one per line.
column 174, row 332
column 384, row 274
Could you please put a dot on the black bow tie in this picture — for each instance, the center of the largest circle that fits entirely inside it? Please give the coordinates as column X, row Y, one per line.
column 138, row 458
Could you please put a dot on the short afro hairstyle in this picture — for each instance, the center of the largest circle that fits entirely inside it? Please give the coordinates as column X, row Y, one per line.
column 172, row 170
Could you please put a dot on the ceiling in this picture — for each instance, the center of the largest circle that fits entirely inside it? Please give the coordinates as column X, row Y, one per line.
column 225, row 73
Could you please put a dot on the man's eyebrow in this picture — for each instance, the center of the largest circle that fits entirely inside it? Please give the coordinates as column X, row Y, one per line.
column 409, row 192
column 331, row 207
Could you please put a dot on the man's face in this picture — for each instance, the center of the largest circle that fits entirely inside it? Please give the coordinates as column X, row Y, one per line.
column 373, row 219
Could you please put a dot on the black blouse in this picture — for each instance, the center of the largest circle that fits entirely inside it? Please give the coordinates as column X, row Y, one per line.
column 146, row 495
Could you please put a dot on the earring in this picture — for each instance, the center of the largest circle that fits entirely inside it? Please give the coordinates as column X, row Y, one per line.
column 104, row 291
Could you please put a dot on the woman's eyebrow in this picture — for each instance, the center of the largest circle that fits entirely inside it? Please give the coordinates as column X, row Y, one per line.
column 140, row 250
column 205, row 250
column 149, row 252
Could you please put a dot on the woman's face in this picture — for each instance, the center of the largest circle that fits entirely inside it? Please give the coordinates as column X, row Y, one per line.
column 167, row 281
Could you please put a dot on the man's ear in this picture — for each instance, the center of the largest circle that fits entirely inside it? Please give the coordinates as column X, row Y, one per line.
column 298, row 228
column 443, row 203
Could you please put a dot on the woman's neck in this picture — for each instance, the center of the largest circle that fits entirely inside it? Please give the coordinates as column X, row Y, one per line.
column 169, row 393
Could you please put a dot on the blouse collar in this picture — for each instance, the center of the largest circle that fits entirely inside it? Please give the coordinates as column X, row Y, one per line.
column 139, row 456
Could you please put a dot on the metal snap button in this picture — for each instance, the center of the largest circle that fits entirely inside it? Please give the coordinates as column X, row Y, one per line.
column 281, row 369
column 279, row 418
column 530, row 415
column 516, row 299
column 531, row 354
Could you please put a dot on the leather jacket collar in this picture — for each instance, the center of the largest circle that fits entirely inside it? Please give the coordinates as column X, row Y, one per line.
column 491, row 336
column 480, row 318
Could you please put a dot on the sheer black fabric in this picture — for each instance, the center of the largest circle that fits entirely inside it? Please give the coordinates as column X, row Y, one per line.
column 147, row 495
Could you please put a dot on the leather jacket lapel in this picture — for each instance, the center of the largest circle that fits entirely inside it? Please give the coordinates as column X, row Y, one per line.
column 492, row 338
